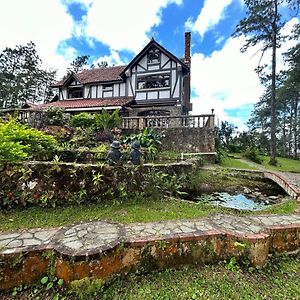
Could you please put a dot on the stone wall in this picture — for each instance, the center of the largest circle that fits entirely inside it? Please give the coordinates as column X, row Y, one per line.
column 185, row 139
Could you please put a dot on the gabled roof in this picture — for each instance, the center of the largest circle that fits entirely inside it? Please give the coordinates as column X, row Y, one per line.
column 108, row 74
column 113, row 74
column 86, row 103
column 151, row 44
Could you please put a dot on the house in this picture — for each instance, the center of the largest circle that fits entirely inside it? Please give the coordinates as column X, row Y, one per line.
column 155, row 82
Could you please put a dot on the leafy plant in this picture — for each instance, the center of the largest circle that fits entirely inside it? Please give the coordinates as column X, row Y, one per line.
column 101, row 151
column 149, row 139
column 82, row 120
column 17, row 142
column 105, row 121
column 253, row 154
column 57, row 116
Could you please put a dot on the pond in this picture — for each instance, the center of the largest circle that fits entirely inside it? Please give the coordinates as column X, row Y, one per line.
column 236, row 201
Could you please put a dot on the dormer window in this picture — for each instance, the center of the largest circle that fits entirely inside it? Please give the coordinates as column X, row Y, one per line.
column 154, row 56
column 75, row 92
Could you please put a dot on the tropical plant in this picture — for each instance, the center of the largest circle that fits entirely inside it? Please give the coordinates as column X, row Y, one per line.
column 105, row 121
column 17, row 142
column 82, row 120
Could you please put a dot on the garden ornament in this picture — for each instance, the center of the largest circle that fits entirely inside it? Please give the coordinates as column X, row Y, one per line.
column 135, row 154
column 114, row 155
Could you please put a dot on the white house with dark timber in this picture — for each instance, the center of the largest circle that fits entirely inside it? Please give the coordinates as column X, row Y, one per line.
column 155, row 82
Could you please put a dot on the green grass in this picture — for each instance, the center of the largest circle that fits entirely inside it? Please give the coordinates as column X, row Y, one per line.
column 279, row 280
column 126, row 212
column 234, row 162
column 284, row 164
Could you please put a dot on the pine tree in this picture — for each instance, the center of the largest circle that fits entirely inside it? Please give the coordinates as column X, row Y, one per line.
column 262, row 26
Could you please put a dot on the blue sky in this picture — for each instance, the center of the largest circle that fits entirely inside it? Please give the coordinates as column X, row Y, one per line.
column 116, row 30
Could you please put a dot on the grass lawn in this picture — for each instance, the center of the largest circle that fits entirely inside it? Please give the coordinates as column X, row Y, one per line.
column 284, row 164
column 279, row 280
column 128, row 211
column 234, row 162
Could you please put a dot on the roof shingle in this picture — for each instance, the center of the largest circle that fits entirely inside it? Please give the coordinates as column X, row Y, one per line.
column 96, row 75
column 87, row 103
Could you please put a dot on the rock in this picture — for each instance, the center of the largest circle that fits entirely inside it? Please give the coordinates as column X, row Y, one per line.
column 273, row 197
column 246, row 190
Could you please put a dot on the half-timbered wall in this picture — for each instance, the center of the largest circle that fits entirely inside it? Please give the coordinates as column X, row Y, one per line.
column 160, row 80
column 154, row 78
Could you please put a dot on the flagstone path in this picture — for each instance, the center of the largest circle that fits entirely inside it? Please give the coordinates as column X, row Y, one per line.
column 98, row 236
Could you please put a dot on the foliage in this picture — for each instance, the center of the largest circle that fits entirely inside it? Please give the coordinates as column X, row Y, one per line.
column 105, row 121
column 78, row 64
column 83, row 120
column 262, row 26
column 86, row 288
column 17, row 142
column 149, row 139
column 57, row 116
column 225, row 133
column 101, row 151
column 22, row 77
column 253, row 154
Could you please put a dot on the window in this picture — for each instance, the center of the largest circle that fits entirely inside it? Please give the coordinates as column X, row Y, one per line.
column 75, row 92
column 154, row 56
column 153, row 81
column 107, row 87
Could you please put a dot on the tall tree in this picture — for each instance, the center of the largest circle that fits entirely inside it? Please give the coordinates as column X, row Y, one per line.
column 78, row 64
column 262, row 26
column 22, row 77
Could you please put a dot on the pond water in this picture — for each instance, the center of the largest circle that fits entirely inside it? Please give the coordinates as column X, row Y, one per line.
column 237, row 201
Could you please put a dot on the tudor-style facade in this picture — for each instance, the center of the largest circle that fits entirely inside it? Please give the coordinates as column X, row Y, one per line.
column 155, row 82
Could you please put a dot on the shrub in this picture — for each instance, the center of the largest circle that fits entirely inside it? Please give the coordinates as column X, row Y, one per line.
column 82, row 120
column 253, row 154
column 105, row 121
column 149, row 139
column 17, row 142
column 57, row 116
column 101, row 151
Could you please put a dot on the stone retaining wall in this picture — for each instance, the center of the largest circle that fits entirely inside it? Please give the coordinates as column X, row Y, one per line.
column 28, row 265
column 185, row 139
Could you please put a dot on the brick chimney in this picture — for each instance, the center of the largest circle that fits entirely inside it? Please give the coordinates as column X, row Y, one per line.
column 187, row 106
column 187, row 47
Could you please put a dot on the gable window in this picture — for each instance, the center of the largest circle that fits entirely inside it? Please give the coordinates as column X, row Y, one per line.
column 154, row 56
column 75, row 92
column 153, row 81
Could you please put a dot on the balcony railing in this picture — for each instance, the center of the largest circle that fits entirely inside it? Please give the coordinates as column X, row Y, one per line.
column 196, row 121
column 39, row 119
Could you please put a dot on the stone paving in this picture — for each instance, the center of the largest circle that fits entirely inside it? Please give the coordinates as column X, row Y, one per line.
column 98, row 236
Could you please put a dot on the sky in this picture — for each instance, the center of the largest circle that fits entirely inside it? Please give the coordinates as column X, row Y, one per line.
column 222, row 78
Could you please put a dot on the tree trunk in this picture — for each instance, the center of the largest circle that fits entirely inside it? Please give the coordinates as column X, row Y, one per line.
column 273, row 91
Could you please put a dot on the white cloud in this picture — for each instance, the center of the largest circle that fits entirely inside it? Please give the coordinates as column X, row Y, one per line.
column 226, row 79
column 211, row 14
column 112, row 59
column 46, row 23
column 124, row 24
